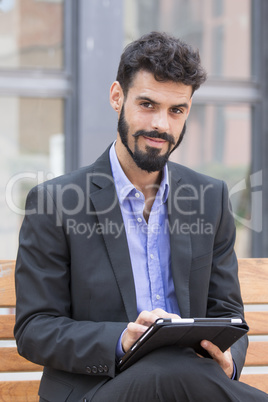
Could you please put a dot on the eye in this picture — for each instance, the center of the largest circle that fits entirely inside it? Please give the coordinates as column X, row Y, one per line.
column 147, row 105
column 176, row 110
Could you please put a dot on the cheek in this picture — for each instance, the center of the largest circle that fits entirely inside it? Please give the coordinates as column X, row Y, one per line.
column 177, row 126
column 144, row 121
column 139, row 122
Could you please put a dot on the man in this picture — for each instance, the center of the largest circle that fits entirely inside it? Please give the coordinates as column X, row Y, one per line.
column 106, row 250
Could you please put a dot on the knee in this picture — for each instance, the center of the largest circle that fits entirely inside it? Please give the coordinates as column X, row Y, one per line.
column 181, row 367
column 172, row 366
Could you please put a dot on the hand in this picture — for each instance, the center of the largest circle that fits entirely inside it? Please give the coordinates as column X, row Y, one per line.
column 225, row 359
column 145, row 319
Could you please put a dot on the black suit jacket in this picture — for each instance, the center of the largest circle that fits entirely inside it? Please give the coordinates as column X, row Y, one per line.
column 74, row 283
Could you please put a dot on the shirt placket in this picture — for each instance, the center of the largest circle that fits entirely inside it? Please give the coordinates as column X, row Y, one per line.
column 153, row 261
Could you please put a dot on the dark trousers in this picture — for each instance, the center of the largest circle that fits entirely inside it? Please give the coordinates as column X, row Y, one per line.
column 172, row 374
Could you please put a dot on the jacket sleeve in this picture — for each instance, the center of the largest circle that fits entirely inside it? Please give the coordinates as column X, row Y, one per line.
column 224, row 290
column 45, row 331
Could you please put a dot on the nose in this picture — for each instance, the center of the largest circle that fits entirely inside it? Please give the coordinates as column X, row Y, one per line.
column 160, row 121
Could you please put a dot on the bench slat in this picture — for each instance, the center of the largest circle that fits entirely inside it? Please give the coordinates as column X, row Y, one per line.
column 259, row 381
column 19, row 391
column 7, row 323
column 11, row 361
column 253, row 276
column 257, row 322
column 7, row 284
column 250, row 271
column 257, row 354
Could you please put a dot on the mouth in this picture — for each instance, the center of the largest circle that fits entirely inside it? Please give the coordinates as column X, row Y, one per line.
column 154, row 142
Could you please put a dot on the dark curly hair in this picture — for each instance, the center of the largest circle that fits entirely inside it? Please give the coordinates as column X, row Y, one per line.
column 166, row 57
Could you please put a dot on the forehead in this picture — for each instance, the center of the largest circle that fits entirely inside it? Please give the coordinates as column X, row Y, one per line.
column 144, row 84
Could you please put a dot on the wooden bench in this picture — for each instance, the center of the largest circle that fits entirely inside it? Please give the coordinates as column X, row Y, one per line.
column 253, row 274
column 13, row 389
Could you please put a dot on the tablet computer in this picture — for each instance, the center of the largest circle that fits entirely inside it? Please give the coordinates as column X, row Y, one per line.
column 185, row 332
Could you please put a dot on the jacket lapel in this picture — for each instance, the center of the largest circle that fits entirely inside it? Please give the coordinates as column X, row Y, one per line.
column 179, row 205
column 105, row 202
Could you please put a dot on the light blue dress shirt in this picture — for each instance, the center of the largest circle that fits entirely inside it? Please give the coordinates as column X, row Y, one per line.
column 148, row 243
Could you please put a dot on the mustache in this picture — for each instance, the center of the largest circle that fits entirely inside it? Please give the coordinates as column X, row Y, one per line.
column 155, row 134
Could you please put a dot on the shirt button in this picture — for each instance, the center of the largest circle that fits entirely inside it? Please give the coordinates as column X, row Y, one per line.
column 139, row 220
column 151, row 256
column 158, row 297
column 137, row 195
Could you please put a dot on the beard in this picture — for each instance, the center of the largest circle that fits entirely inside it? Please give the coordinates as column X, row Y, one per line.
column 150, row 160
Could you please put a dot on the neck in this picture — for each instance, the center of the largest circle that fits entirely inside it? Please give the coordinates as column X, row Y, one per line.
column 147, row 183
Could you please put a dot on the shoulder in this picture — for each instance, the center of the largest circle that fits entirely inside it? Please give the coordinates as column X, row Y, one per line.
column 186, row 176
column 79, row 178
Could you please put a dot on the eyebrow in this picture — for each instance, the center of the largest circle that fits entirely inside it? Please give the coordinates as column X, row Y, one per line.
column 146, row 98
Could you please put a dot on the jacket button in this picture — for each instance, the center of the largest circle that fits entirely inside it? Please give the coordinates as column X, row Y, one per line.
column 100, row 369
column 105, row 368
column 94, row 370
column 88, row 370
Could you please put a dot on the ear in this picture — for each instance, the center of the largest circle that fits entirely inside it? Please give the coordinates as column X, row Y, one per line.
column 116, row 96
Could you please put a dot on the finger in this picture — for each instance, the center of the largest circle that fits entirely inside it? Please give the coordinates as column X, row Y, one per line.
column 213, row 350
column 147, row 318
column 135, row 328
column 225, row 359
column 132, row 334
column 163, row 314
column 160, row 312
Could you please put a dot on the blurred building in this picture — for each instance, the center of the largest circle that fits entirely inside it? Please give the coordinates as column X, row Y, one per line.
column 58, row 59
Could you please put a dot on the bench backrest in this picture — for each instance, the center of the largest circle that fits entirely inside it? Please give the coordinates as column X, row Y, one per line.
column 15, row 384
column 253, row 275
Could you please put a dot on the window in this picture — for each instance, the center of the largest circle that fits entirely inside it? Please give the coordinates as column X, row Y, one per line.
column 220, row 29
column 59, row 57
column 32, row 149
column 219, row 133
column 218, row 143
column 34, row 90
column 31, row 34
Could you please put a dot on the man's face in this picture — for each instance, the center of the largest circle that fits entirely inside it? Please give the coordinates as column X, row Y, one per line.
column 151, row 159
column 152, row 120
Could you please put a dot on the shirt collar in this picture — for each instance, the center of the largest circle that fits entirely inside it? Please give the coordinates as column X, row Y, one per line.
column 124, row 186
